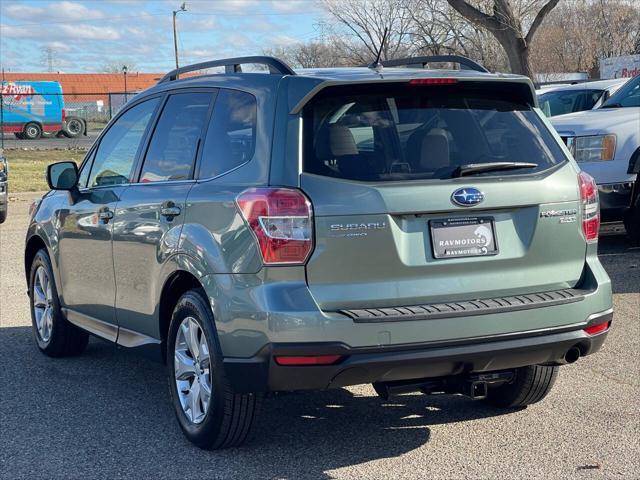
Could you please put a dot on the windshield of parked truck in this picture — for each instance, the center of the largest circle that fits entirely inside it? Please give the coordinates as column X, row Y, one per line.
column 559, row 102
column 627, row 96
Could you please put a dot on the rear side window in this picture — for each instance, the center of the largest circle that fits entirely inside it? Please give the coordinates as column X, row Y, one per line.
column 113, row 162
column 568, row 101
column 174, row 144
column 231, row 136
column 382, row 133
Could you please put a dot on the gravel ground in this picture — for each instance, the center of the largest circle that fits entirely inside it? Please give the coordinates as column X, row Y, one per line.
column 106, row 414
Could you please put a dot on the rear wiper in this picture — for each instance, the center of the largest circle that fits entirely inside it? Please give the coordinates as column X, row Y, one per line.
column 471, row 168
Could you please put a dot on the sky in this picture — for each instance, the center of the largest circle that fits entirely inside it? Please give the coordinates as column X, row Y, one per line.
column 84, row 36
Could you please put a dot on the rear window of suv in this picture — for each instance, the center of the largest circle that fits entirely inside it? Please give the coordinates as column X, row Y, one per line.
column 391, row 133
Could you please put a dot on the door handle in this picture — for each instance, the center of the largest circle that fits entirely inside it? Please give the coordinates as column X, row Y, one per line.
column 169, row 209
column 105, row 215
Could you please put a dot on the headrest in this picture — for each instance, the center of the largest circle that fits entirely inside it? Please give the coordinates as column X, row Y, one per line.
column 334, row 141
column 434, row 153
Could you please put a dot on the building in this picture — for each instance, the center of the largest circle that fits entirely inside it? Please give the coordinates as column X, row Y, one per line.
column 93, row 96
column 89, row 87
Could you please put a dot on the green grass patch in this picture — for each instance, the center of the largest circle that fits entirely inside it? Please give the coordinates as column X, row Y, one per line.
column 95, row 125
column 28, row 168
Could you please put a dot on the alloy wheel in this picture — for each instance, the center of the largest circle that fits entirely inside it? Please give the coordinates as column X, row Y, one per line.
column 192, row 366
column 43, row 303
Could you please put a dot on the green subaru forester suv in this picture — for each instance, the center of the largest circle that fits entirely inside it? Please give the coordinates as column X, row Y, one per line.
column 419, row 230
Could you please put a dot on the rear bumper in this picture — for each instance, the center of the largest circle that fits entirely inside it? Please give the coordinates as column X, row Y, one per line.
column 361, row 365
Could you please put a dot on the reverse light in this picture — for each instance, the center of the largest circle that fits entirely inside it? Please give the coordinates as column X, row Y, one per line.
column 307, row 360
column 590, row 207
column 432, row 81
column 282, row 221
column 599, row 328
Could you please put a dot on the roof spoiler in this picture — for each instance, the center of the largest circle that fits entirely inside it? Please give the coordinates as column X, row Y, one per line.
column 464, row 62
column 232, row 65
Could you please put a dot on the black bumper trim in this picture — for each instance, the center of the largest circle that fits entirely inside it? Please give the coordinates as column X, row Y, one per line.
column 362, row 365
column 484, row 306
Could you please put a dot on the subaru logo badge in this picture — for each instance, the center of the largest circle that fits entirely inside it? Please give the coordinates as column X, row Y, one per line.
column 467, row 196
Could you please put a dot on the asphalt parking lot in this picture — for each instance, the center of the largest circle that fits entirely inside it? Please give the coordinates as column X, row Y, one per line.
column 106, row 414
column 51, row 142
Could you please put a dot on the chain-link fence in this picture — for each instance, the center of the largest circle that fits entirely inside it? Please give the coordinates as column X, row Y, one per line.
column 52, row 120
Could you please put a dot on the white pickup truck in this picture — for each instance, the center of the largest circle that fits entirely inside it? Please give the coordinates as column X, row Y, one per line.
column 606, row 144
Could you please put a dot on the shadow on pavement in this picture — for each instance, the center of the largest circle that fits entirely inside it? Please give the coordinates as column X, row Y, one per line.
column 107, row 414
column 622, row 262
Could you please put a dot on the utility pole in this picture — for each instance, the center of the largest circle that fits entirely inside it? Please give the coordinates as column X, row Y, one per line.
column 124, row 72
column 47, row 57
column 183, row 8
column 50, row 59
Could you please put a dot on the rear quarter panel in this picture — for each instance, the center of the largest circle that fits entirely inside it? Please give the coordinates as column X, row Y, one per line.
column 44, row 225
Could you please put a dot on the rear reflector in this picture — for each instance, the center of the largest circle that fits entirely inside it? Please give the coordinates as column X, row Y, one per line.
column 432, row 81
column 599, row 328
column 590, row 207
column 282, row 221
column 308, row 360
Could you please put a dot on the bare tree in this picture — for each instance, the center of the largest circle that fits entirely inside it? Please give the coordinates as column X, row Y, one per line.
column 436, row 27
column 505, row 23
column 115, row 66
column 578, row 33
column 311, row 54
column 439, row 29
column 360, row 25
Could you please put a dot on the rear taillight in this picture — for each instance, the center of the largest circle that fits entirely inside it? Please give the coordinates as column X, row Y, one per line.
column 64, row 114
column 282, row 221
column 590, row 207
column 433, row 81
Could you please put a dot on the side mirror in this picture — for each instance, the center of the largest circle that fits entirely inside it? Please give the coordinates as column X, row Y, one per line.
column 62, row 176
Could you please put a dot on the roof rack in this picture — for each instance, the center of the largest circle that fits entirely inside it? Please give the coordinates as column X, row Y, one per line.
column 232, row 65
column 464, row 62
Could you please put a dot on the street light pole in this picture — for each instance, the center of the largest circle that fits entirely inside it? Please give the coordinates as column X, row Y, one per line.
column 183, row 8
column 124, row 71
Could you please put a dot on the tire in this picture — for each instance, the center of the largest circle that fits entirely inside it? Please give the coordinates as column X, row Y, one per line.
column 32, row 131
column 73, row 127
column 632, row 224
column 3, row 215
column 54, row 335
column 226, row 418
column 531, row 385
